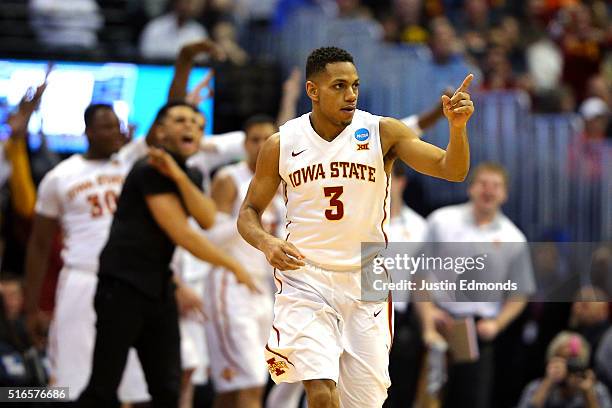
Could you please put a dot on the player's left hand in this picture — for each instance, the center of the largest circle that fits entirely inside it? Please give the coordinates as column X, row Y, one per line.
column 164, row 163
column 459, row 107
column 487, row 329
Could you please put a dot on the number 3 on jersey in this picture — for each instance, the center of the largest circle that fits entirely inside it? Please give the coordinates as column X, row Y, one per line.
column 335, row 193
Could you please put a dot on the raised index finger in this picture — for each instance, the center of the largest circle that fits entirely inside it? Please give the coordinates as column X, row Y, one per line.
column 465, row 84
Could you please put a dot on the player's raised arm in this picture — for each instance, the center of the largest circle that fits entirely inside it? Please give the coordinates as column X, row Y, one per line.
column 184, row 63
column 280, row 254
column 451, row 164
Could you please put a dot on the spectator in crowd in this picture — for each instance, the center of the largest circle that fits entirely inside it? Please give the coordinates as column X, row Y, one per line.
column 589, row 147
column 66, row 23
column 598, row 87
column 13, row 338
column 596, row 115
column 11, row 290
column 404, row 22
column 601, row 269
column 590, row 316
column 226, row 36
column 352, row 9
column 568, row 382
column 582, row 45
column 447, row 63
column 480, row 220
column 164, row 36
column 475, row 17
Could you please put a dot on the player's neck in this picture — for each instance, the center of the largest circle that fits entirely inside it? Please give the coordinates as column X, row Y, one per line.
column 325, row 129
column 93, row 155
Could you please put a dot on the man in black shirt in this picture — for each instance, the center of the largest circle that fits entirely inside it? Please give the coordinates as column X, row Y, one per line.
column 135, row 298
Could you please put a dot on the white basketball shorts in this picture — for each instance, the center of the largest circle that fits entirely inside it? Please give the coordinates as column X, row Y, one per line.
column 194, row 352
column 322, row 330
column 236, row 331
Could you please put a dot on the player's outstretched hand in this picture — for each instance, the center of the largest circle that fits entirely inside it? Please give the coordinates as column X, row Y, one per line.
column 459, row 107
column 164, row 163
column 283, row 255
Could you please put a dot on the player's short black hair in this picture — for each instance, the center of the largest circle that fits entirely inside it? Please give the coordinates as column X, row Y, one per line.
column 91, row 110
column 163, row 111
column 258, row 119
column 319, row 58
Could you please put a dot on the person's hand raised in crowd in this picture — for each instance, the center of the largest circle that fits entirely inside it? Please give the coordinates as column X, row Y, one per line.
column 164, row 163
column 18, row 121
column 556, row 370
column 459, row 108
column 585, row 380
column 191, row 50
column 202, row 90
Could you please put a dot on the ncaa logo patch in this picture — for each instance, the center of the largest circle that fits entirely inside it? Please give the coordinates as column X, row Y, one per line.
column 362, row 134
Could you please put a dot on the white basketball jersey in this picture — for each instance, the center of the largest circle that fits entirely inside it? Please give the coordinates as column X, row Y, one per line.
column 336, row 192
column 251, row 258
column 82, row 195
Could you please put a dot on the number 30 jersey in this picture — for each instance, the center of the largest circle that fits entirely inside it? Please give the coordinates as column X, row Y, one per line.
column 336, row 192
column 82, row 195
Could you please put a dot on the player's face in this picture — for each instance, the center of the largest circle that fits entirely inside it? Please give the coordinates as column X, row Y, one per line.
column 104, row 133
column 337, row 90
column 488, row 191
column 181, row 133
column 256, row 135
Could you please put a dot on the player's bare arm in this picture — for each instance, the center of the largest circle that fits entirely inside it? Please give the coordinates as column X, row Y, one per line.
column 37, row 255
column 223, row 192
column 452, row 164
column 280, row 254
column 171, row 217
column 201, row 207
column 184, row 64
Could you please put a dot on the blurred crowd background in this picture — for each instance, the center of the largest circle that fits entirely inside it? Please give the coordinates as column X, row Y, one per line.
column 543, row 97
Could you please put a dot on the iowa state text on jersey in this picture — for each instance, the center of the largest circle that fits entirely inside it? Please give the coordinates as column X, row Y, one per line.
column 337, row 169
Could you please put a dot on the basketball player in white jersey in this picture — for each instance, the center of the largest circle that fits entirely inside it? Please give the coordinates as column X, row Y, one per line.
column 79, row 195
column 239, row 321
column 334, row 164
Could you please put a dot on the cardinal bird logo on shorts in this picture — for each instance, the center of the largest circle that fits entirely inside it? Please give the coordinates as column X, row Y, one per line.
column 276, row 368
column 228, row 374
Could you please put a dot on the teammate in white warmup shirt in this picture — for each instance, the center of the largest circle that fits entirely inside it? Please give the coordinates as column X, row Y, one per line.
column 80, row 196
column 334, row 164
